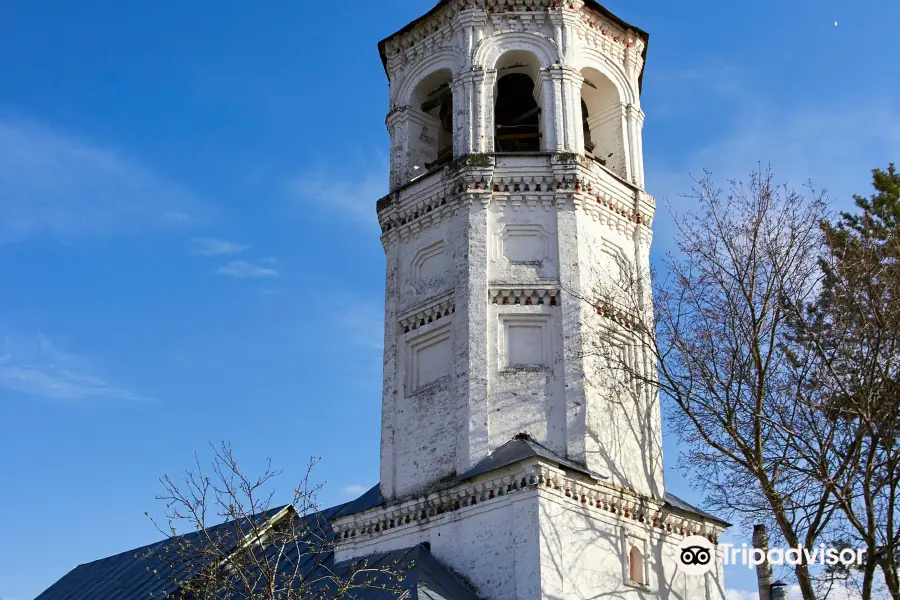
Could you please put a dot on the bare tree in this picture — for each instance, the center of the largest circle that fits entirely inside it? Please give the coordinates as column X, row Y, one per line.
column 775, row 339
column 849, row 339
column 713, row 346
column 228, row 541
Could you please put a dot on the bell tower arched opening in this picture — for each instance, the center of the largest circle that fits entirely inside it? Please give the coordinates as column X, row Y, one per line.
column 518, row 119
column 431, row 139
column 601, row 119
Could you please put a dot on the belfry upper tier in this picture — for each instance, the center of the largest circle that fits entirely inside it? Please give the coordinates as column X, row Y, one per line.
column 515, row 76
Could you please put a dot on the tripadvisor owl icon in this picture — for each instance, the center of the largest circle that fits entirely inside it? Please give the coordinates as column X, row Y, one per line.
column 697, row 555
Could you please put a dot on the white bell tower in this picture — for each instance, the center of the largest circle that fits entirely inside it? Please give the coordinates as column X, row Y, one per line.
column 517, row 191
column 516, row 181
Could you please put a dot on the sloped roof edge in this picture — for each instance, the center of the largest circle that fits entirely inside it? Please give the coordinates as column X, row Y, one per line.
column 593, row 4
column 520, row 448
column 128, row 573
column 674, row 502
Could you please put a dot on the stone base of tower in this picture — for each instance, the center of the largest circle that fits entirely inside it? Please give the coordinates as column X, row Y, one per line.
column 525, row 524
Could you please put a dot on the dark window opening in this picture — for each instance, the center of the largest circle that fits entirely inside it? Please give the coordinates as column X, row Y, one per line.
column 440, row 104
column 517, row 115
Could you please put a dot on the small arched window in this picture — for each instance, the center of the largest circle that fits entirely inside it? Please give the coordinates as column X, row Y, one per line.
column 636, row 566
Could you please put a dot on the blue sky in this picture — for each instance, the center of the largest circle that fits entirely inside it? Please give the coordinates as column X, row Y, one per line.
column 188, row 245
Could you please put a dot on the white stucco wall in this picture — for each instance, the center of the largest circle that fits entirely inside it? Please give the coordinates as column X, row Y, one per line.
column 558, row 537
column 488, row 322
column 585, row 553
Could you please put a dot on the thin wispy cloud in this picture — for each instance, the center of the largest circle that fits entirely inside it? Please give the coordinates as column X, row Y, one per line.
column 35, row 366
column 242, row 269
column 59, row 185
column 211, row 247
column 355, row 490
column 348, row 190
column 832, row 145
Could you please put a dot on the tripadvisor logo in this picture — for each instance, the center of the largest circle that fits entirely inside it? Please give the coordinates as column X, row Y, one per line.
column 697, row 555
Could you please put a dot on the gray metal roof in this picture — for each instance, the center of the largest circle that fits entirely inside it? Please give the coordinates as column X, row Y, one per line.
column 427, row 579
column 139, row 572
column 149, row 572
column 673, row 501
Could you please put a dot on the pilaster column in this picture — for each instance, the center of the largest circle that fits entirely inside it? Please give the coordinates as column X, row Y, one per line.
column 556, row 20
column 634, row 118
column 407, row 126
column 479, row 96
column 566, row 22
column 468, row 112
column 634, row 56
column 473, row 441
column 570, row 222
column 545, row 98
column 472, row 22
column 488, row 128
column 390, row 391
column 461, row 86
column 398, row 128
column 559, row 112
column 468, row 87
column 567, row 104
column 572, row 82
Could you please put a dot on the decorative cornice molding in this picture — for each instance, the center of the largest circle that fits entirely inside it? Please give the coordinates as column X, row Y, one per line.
column 509, row 19
column 571, row 180
column 406, row 212
column 623, row 46
column 435, row 310
column 532, row 191
column 525, row 295
column 533, row 475
column 427, row 36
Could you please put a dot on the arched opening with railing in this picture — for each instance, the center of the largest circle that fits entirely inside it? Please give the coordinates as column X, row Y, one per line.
column 431, row 134
column 518, row 119
column 601, row 120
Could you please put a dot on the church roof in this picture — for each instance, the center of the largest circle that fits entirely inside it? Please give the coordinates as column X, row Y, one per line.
column 673, row 501
column 131, row 574
column 140, row 573
column 592, row 4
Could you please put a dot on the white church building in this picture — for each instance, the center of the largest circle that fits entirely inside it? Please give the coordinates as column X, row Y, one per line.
column 517, row 179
